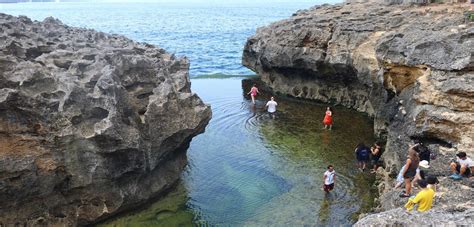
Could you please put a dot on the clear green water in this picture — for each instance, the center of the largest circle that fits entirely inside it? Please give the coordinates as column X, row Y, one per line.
column 248, row 169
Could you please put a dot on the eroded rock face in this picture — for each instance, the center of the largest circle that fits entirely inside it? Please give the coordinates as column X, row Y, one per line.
column 91, row 124
column 411, row 68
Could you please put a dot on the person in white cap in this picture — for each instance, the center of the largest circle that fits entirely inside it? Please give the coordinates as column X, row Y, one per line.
column 425, row 164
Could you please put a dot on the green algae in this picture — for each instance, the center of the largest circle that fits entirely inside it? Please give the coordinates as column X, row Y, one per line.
column 249, row 169
column 168, row 211
column 302, row 139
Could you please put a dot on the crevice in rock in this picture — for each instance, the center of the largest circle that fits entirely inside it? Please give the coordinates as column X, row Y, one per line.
column 98, row 113
column 432, row 140
column 326, row 44
column 144, row 95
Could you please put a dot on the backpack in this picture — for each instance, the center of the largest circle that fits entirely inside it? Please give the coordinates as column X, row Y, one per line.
column 364, row 153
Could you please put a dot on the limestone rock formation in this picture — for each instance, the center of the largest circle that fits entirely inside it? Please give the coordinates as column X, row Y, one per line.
column 410, row 68
column 400, row 217
column 91, row 124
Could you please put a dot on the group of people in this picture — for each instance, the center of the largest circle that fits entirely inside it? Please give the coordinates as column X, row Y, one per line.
column 410, row 174
column 272, row 104
column 329, row 176
column 364, row 155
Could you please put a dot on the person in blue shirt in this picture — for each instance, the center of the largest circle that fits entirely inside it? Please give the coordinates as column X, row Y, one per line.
column 363, row 155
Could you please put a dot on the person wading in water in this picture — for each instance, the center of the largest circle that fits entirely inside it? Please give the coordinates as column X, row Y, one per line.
column 328, row 119
column 271, row 107
column 329, row 179
column 253, row 93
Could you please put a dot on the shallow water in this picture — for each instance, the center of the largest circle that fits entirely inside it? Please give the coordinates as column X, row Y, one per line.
column 248, row 169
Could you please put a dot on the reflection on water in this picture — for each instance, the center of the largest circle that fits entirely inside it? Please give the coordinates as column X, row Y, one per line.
column 248, row 169
column 324, row 211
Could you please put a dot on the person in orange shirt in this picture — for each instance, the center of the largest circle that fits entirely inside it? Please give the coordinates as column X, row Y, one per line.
column 327, row 121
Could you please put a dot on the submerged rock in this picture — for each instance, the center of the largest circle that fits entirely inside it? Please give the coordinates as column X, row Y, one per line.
column 410, row 68
column 91, row 124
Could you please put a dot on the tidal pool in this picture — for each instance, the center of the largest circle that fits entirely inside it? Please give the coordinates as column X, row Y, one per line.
column 249, row 169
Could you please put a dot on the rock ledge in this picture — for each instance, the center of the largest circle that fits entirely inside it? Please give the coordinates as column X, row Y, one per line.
column 91, row 124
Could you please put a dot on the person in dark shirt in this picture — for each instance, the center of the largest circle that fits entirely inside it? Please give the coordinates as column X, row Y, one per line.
column 376, row 151
column 424, row 152
column 363, row 155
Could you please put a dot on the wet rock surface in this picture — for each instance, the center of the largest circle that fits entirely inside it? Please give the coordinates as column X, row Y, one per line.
column 91, row 124
column 409, row 67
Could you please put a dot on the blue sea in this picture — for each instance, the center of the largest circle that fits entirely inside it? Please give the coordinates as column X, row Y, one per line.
column 211, row 34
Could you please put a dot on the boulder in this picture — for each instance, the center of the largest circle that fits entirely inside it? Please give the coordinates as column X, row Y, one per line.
column 91, row 124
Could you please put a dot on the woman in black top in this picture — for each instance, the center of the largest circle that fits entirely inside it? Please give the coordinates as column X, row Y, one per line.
column 409, row 171
column 376, row 151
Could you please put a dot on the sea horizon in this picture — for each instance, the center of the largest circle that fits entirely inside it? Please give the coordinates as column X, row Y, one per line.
column 211, row 34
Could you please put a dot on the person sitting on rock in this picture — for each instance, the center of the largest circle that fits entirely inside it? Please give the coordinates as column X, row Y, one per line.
column 432, row 182
column 462, row 166
column 424, row 198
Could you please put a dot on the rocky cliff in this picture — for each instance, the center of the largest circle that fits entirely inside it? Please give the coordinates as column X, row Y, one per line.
column 91, row 124
column 409, row 67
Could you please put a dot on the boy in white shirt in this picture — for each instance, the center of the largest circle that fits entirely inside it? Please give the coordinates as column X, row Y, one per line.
column 463, row 165
column 271, row 107
column 329, row 179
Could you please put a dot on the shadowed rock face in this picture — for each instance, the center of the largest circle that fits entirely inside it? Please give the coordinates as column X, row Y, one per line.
column 91, row 124
column 411, row 68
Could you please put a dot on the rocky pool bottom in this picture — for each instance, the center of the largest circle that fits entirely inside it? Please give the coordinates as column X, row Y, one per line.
column 248, row 169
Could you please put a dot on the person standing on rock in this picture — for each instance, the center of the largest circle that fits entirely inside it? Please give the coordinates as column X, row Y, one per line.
column 376, row 151
column 253, row 93
column 271, row 107
column 327, row 121
column 425, row 153
column 362, row 155
column 329, row 179
column 409, row 171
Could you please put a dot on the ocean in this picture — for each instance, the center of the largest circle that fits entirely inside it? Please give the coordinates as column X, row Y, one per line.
column 211, row 34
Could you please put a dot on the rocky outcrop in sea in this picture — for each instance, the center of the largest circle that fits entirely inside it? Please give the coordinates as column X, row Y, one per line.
column 91, row 124
column 410, row 67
